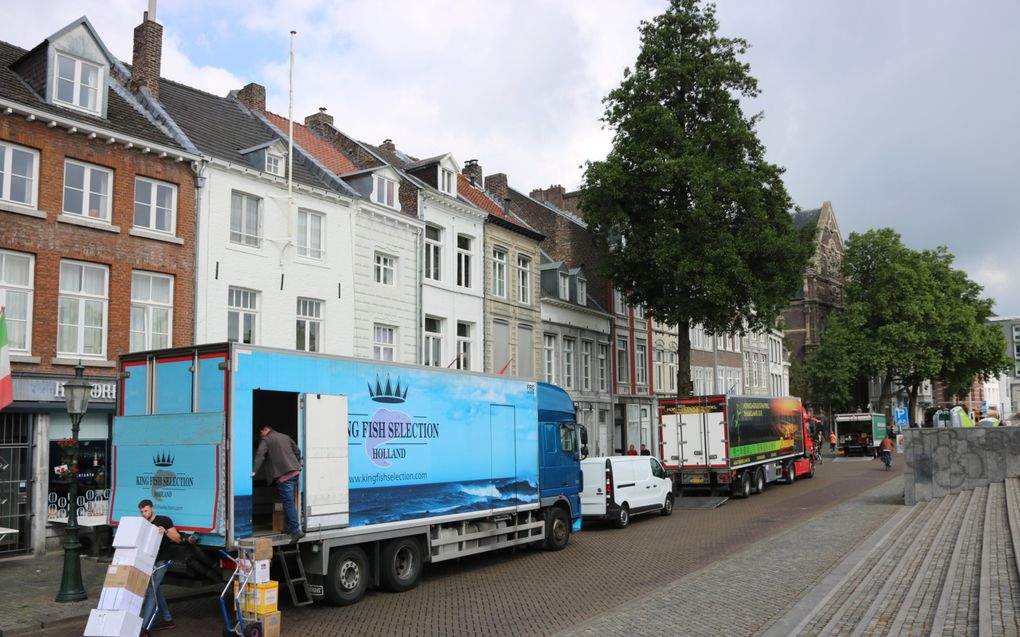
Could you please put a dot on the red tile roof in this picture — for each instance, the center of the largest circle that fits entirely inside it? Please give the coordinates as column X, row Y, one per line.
column 480, row 199
column 314, row 145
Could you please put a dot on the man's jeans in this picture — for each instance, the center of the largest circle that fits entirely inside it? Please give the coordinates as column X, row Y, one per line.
column 158, row 602
column 286, row 491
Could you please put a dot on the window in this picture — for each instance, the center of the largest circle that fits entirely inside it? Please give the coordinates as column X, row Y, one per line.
column 309, row 325
column 639, row 311
column 658, row 370
column 16, row 291
column 603, row 367
column 524, row 280
column 569, row 346
column 274, row 164
column 619, row 302
column 433, row 342
column 78, row 83
column 549, row 357
column 701, row 378
column 155, row 205
column 245, row 220
column 499, row 335
column 582, row 292
column 671, row 370
column 586, row 351
column 384, row 343
column 566, row 438
column 385, row 269
column 641, row 362
column 463, row 261
column 564, row 287
column 385, row 192
column 525, row 353
column 700, row 339
column 622, row 361
column 309, row 234
column 447, row 182
column 87, row 190
column 242, row 312
column 152, row 304
column 499, row 272
column 433, row 253
column 463, row 345
column 18, row 168
column 82, row 308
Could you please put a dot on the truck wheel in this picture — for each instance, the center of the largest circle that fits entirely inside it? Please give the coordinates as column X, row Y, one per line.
column 623, row 519
column 667, row 506
column 811, row 469
column 557, row 529
column 791, row 472
column 346, row 580
column 742, row 488
column 401, row 565
column 759, row 481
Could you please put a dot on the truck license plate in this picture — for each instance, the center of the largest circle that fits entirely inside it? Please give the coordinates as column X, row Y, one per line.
column 697, row 480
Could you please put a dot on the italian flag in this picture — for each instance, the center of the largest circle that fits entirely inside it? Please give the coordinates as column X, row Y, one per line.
column 6, row 382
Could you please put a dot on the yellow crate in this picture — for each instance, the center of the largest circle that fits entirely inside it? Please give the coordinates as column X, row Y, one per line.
column 258, row 598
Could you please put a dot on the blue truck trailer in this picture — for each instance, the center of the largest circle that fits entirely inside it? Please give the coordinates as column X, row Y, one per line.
column 402, row 465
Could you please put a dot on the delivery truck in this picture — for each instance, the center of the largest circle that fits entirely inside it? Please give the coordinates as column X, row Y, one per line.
column 402, row 465
column 859, row 434
column 734, row 443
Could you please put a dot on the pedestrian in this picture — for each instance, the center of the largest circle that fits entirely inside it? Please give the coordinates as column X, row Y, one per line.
column 644, row 450
column 283, row 468
column 832, row 442
column 154, row 601
column 886, row 448
column 631, row 451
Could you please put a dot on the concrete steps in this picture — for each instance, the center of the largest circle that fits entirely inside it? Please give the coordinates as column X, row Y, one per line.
column 949, row 568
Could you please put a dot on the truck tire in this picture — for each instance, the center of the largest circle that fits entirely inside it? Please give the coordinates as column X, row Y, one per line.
column 623, row 518
column 742, row 486
column 791, row 472
column 667, row 506
column 759, row 480
column 557, row 529
column 401, row 565
column 346, row 580
column 811, row 469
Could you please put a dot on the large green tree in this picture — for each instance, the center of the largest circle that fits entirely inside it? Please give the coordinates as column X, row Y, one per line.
column 694, row 223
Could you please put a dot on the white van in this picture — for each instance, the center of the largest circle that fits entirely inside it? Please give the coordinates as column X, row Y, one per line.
column 617, row 487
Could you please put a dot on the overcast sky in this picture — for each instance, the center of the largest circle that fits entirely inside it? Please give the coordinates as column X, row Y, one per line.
column 902, row 114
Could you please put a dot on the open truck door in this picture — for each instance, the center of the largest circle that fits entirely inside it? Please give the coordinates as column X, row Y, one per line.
column 326, row 459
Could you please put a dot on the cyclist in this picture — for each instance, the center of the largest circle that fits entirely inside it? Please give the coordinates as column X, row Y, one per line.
column 886, row 448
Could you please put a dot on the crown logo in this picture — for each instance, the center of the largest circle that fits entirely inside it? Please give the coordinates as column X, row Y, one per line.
column 163, row 460
column 388, row 394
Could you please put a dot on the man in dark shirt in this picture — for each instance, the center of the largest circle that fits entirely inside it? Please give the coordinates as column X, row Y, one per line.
column 282, row 457
column 156, row 602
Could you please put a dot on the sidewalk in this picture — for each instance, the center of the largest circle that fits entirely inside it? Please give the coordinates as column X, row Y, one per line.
column 29, row 584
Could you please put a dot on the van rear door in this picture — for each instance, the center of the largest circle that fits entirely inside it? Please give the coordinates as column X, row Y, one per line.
column 324, row 429
column 593, row 495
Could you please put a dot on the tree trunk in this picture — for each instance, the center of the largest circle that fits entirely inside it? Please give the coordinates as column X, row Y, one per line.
column 684, row 387
column 885, row 397
column 912, row 402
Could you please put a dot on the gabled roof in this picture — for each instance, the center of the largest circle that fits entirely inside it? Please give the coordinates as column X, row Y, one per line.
column 481, row 199
column 326, row 153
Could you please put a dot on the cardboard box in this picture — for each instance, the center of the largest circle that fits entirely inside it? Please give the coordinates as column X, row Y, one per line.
column 137, row 532
column 278, row 520
column 261, row 547
column 113, row 623
column 258, row 598
column 134, row 557
column 259, row 570
column 128, row 577
column 270, row 623
column 120, row 599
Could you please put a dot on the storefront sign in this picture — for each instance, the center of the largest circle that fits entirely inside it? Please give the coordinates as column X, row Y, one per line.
column 46, row 390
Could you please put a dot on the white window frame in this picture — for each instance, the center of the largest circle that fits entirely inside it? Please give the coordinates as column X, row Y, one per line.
column 384, row 342
column 244, row 235
column 622, row 361
column 7, row 151
column 465, row 343
column 523, row 280
column 499, row 257
column 275, row 164
column 671, row 369
column 582, row 291
column 549, row 357
column 620, row 300
column 447, row 182
column 384, row 192
column 586, row 354
column 432, row 350
column 569, row 352
column 90, row 174
column 385, row 269
column 73, row 294
column 659, row 370
column 434, row 253
column 564, row 286
column 75, row 103
column 640, row 361
column 310, row 237
column 152, row 205
column 603, row 366
column 464, row 261
column 308, row 316
column 10, row 288
column 149, row 307
column 242, row 305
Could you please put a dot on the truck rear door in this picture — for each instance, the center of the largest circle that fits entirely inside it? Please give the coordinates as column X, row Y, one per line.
column 324, row 431
column 670, row 436
column 715, row 439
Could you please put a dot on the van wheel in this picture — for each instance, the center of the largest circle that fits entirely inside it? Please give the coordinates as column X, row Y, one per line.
column 623, row 519
column 401, row 565
column 742, row 489
column 347, row 578
column 759, row 480
column 667, row 506
column 557, row 529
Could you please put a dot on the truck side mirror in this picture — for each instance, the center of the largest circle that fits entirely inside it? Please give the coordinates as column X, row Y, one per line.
column 584, row 436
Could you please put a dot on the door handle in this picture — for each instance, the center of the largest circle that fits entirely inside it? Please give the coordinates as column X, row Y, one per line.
column 565, row 483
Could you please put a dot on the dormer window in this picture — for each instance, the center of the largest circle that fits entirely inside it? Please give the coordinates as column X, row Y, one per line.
column 77, row 83
column 582, row 291
column 274, row 164
column 447, row 182
column 385, row 192
column 564, row 286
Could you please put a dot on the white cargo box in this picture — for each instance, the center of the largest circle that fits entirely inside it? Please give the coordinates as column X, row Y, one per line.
column 260, row 568
column 137, row 533
column 134, row 557
column 120, row 599
column 113, row 623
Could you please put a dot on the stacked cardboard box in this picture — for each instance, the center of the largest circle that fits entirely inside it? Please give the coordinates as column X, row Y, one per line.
column 120, row 602
column 258, row 598
column 278, row 512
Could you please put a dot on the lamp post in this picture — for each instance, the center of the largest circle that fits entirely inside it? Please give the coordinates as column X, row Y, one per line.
column 76, row 392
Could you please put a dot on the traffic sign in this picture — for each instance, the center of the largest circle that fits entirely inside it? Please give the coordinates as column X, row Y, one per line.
column 901, row 415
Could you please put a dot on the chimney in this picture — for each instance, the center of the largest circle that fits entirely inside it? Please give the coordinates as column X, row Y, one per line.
column 319, row 120
column 387, row 144
column 551, row 195
column 253, row 96
column 145, row 57
column 496, row 185
column 473, row 172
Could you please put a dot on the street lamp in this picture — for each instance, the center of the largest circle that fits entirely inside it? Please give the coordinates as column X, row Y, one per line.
column 76, row 392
